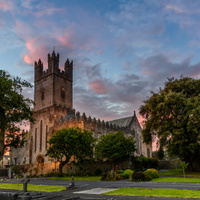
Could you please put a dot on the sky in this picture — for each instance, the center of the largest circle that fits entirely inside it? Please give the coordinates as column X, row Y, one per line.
column 121, row 49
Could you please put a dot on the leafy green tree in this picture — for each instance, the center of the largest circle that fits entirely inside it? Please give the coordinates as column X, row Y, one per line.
column 66, row 143
column 160, row 154
column 15, row 110
column 115, row 146
column 172, row 115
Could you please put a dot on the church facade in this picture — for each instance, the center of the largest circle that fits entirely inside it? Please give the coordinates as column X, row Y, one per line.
column 53, row 110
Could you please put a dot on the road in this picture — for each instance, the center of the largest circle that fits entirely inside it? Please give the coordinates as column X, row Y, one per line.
column 112, row 184
column 87, row 185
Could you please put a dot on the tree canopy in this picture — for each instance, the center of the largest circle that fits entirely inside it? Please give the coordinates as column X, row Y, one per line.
column 172, row 115
column 115, row 146
column 14, row 109
column 66, row 143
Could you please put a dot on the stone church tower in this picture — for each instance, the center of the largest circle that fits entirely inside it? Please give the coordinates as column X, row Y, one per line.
column 53, row 90
column 53, row 110
column 53, row 86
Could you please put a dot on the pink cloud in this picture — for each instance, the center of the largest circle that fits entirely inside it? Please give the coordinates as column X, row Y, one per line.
column 66, row 40
column 98, row 87
column 100, row 52
column 35, row 50
column 174, row 8
column 49, row 11
column 6, row 5
column 27, row 59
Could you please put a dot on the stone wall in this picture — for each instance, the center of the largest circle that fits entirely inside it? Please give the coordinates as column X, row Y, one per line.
column 92, row 167
column 169, row 164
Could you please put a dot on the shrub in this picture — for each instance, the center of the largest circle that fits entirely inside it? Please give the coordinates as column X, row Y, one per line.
column 19, row 170
column 118, row 177
column 16, row 170
column 140, row 176
column 104, row 175
column 127, row 173
column 120, row 171
column 108, row 176
column 50, row 174
column 142, row 163
column 152, row 172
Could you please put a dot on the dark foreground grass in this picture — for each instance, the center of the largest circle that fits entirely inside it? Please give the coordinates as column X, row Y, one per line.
column 156, row 192
column 39, row 188
column 78, row 178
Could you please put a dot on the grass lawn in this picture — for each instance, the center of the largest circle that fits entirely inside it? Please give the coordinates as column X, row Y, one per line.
column 178, row 172
column 176, row 180
column 156, row 192
column 78, row 178
column 41, row 188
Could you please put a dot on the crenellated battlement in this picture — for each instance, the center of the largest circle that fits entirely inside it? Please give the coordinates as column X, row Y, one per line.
column 98, row 127
column 53, row 56
column 53, row 68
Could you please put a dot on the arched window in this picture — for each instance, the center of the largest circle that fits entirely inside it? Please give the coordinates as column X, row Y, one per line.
column 62, row 93
column 41, row 135
column 42, row 94
column 148, row 153
column 46, row 135
column 35, row 139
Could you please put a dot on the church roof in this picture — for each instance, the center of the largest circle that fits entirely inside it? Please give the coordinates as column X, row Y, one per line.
column 123, row 122
column 126, row 121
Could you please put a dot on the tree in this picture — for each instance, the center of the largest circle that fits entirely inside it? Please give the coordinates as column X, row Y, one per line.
column 66, row 143
column 184, row 167
column 172, row 115
column 115, row 146
column 15, row 110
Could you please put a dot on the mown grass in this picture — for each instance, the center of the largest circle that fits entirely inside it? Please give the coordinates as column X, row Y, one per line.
column 156, row 192
column 78, row 178
column 40, row 188
column 178, row 172
column 160, row 179
column 176, row 180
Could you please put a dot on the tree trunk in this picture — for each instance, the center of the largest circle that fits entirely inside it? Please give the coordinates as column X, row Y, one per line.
column 2, row 147
column 61, row 165
column 2, row 131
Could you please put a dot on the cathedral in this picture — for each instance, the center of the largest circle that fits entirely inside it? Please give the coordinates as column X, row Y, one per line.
column 53, row 110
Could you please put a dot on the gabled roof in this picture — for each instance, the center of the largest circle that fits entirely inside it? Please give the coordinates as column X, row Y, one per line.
column 123, row 122
column 126, row 121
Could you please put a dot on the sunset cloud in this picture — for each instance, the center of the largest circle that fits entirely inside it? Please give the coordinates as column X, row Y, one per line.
column 174, row 8
column 120, row 51
column 6, row 5
column 66, row 40
column 98, row 87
